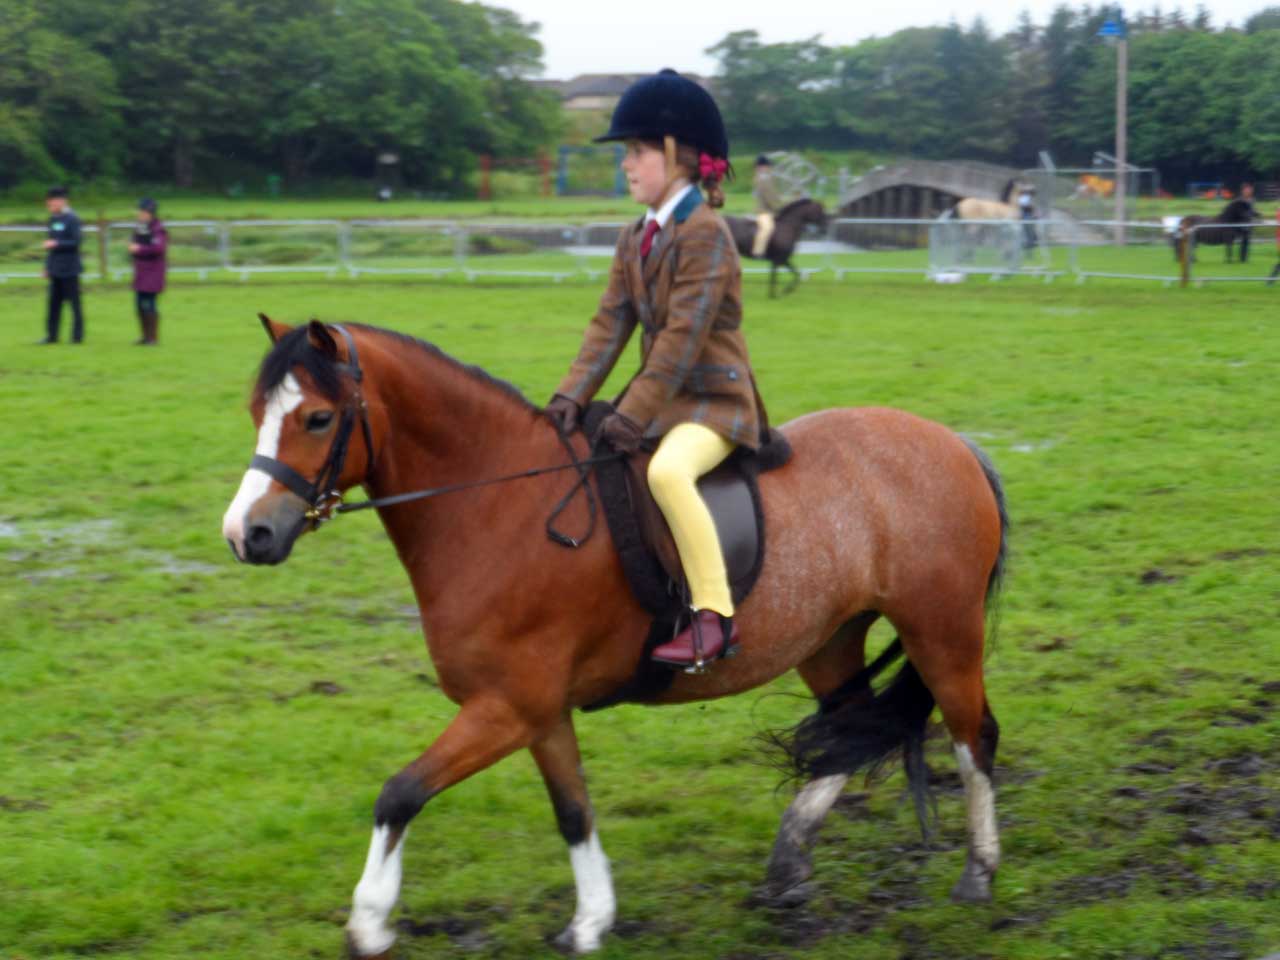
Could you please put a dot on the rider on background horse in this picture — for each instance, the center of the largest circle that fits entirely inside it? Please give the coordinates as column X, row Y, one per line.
column 676, row 272
column 768, row 203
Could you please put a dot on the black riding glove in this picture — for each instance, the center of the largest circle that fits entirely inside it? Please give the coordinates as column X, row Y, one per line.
column 564, row 413
column 621, row 433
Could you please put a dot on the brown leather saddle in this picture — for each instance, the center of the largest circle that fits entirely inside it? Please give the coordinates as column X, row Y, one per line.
column 643, row 539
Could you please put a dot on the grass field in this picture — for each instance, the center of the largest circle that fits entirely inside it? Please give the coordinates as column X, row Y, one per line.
column 190, row 749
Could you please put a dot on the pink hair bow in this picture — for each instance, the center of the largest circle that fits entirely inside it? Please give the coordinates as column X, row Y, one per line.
column 712, row 168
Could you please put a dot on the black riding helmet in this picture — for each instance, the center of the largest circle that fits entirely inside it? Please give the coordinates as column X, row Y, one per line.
column 668, row 104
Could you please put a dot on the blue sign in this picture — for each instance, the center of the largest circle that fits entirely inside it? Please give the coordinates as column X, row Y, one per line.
column 1111, row 29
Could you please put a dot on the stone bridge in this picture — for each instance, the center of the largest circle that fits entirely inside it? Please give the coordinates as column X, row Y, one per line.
column 922, row 189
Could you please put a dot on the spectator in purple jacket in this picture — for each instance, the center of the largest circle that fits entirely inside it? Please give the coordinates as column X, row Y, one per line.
column 148, row 251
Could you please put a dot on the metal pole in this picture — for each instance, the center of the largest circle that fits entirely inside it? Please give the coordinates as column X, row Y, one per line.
column 102, row 245
column 1122, row 121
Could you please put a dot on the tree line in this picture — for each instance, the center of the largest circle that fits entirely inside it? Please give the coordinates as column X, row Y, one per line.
column 1202, row 103
column 209, row 91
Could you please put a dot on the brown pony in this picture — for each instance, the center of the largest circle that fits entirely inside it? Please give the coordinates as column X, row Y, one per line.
column 788, row 225
column 878, row 514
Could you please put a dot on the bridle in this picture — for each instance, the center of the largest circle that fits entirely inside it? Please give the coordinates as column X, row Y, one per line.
column 324, row 499
column 321, row 495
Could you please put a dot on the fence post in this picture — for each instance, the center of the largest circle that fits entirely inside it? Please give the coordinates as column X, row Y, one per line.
column 344, row 245
column 224, row 245
column 102, row 245
column 1184, row 255
column 460, row 240
column 486, row 162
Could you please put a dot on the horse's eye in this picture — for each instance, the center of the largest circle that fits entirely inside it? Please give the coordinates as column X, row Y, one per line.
column 320, row 421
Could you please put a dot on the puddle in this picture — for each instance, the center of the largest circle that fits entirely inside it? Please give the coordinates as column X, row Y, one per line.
column 54, row 573
column 87, row 532
column 67, row 542
column 166, row 563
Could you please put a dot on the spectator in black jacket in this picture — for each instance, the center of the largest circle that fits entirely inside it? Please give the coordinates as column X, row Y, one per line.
column 1246, row 194
column 62, row 265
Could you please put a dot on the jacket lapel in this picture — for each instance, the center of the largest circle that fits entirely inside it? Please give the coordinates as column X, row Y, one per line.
column 632, row 256
column 658, row 252
column 663, row 240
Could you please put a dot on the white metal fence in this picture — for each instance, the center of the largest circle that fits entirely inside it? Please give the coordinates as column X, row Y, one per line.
column 943, row 249
column 1220, row 253
column 22, row 252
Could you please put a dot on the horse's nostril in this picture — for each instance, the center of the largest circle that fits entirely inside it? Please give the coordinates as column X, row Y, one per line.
column 259, row 537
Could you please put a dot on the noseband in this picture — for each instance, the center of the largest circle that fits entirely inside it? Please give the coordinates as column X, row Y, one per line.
column 322, row 494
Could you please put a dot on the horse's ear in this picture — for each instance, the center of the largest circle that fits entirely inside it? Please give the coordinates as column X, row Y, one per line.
column 320, row 338
column 274, row 330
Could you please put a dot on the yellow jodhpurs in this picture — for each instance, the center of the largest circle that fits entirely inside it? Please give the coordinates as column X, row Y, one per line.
column 764, row 230
column 687, row 452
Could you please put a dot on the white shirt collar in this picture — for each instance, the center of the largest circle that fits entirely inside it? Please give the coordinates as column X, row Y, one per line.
column 663, row 214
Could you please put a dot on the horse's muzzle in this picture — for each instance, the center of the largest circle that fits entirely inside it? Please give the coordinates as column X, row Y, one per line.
column 269, row 538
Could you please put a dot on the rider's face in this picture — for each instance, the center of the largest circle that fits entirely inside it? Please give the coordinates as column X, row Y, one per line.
column 646, row 168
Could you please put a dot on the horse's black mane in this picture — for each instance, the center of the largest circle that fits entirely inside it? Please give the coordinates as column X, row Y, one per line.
column 1237, row 211
column 294, row 349
column 793, row 204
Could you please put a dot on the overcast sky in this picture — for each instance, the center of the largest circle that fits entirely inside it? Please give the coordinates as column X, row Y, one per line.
column 642, row 36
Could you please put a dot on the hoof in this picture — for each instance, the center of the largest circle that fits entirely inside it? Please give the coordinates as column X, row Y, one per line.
column 787, row 871
column 573, row 944
column 974, row 885
column 563, row 942
column 374, row 949
column 787, row 898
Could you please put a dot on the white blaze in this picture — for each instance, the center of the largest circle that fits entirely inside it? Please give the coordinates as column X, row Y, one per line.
column 282, row 401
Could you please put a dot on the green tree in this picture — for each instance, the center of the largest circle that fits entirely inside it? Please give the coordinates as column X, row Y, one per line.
column 1029, row 88
column 1265, row 19
column 776, row 94
column 318, row 85
column 58, row 101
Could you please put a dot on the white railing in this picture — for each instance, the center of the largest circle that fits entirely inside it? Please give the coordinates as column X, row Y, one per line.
column 1215, row 252
column 22, row 252
column 938, row 248
column 194, row 246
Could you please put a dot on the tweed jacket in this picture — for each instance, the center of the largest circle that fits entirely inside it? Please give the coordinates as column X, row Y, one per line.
column 687, row 298
column 765, row 191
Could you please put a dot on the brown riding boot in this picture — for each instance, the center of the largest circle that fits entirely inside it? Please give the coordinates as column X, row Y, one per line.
column 151, row 328
column 709, row 636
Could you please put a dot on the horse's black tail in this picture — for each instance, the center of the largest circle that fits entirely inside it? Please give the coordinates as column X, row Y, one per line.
column 996, row 577
column 857, row 729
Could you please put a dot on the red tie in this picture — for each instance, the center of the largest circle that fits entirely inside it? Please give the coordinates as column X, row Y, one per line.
column 651, row 229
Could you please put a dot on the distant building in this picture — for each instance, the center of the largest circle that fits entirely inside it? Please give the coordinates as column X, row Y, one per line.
column 597, row 91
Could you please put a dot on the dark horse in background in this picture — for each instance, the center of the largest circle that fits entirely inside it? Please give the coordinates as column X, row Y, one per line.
column 788, row 225
column 1232, row 223
column 878, row 514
